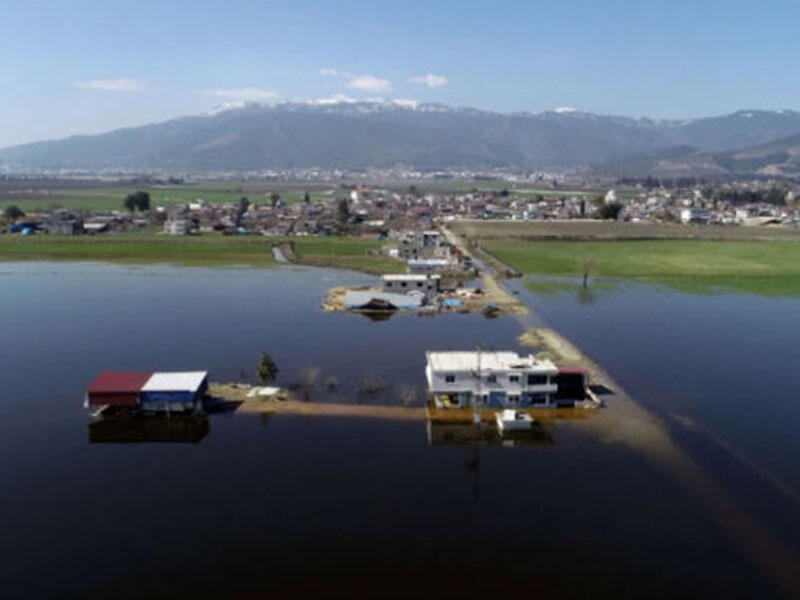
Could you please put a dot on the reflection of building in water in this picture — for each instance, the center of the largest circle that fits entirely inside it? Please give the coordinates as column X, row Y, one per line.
column 470, row 434
column 138, row 428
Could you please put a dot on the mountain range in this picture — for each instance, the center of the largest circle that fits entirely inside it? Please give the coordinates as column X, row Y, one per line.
column 387, row 134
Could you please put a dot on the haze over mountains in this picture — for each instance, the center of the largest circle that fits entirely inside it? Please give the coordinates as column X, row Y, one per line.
column 386, row 134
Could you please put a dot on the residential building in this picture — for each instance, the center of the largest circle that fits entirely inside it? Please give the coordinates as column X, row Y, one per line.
column 402, row 283
column 490, row 379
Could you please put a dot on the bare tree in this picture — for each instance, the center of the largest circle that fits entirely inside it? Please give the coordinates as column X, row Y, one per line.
column 370, row 385
column 331, row 384
column 307, row 380
column 407, row 395
column 586, row 267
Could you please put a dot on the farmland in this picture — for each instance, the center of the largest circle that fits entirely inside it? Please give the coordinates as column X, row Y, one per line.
column 43, row 195
column 205, row 250
column 686, row 258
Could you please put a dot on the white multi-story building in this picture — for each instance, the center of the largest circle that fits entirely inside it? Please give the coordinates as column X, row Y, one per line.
column 490, row 379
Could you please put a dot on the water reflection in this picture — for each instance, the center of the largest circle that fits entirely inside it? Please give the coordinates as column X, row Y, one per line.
column 376, row 315
column 138, row 429
column 469, row 434
column 586, row 295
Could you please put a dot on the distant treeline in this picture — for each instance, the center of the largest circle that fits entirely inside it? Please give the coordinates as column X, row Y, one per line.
column 772, row 194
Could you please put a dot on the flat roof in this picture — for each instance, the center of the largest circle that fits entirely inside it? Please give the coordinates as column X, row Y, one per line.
column 489, row 361
column 175, row 381
column 428, row 261
column 408, row 277
column 109, row 382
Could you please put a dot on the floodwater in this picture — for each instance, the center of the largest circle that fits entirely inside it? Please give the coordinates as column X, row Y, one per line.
column 244, row 506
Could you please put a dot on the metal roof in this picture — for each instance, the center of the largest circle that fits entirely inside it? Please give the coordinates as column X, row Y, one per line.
column 357, row 298
column 489, row 361
column 110, row 382
column 175, row 381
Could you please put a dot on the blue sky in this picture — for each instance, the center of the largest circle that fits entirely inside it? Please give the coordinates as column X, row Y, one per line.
column 87, row 66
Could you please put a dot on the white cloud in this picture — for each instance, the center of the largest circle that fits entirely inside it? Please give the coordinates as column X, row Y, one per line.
column 250, row 94
column 365, row 83
column 120, row 84
column 369, row 83
column 431, row 80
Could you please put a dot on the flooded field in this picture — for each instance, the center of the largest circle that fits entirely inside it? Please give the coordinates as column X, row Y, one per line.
column 248, row 505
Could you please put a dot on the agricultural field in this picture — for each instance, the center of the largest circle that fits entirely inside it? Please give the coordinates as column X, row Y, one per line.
column 204, row 250
column 765, row 265
column 42, row 197
column 588, row 230
column 520, row 190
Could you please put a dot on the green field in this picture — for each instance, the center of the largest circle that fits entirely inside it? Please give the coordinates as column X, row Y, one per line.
column 111, row 198
column 203, row 250
column 761, row 267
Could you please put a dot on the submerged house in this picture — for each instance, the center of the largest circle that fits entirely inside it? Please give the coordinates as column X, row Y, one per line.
column 150, row 392
column 499, row 380
column 382, row 301
column 402, row 283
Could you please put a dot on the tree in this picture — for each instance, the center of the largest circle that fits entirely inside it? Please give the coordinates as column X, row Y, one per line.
column 274, row 197
column 343, row 211
column 14, row 212
column 139, row 200
column 610, row 211
column 331, row 384
column 307, row 198
column 586, row 269
column 267, row 369
column 307, row 380
column 407, row 394
column 244, row 204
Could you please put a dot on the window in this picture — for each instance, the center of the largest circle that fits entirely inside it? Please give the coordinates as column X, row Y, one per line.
column 513, row 378
column 491, row 378
column 449, row 378
column 538, row 398
column 513, row 399
column 537, row 379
